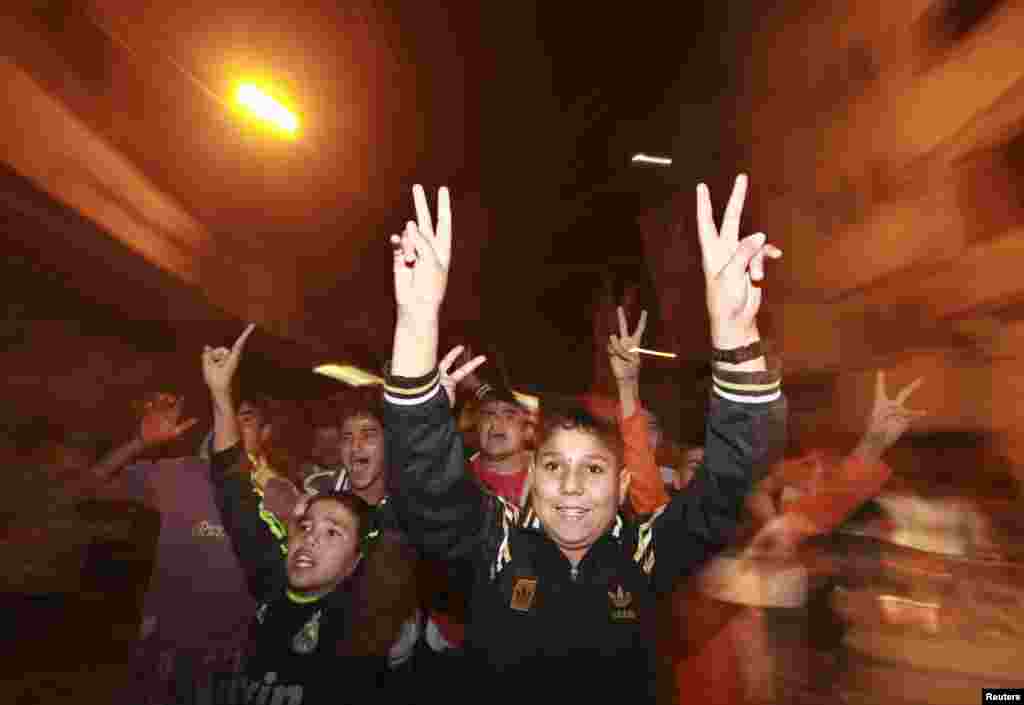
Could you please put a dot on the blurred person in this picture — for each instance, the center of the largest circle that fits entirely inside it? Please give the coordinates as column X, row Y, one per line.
column 274, row 438
column 936, row 507
column 325, row 454
column 562, row 592
column 833, row 493
column 802, row 498
column 191, row 630
column 320, row 477
column 266, row 433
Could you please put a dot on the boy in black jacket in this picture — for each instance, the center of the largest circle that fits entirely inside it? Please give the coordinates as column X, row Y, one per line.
column 561, row 593
column 328, row 598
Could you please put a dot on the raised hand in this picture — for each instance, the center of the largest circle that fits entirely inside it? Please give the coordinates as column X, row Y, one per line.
column 469, row 380
column 890, row 418
column 161, row 420
column 220, row 364
column 422, row 255
column 626, row 363
column 450, row 379
column 731, row 268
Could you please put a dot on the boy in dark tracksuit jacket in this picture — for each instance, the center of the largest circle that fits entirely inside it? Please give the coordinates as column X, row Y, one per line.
column 534, row 617
column 561, row 595
column 316, row 637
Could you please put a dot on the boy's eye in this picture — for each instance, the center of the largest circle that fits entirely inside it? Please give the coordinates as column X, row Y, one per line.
column 333, row 533
column 595, row 469
column 550, row 465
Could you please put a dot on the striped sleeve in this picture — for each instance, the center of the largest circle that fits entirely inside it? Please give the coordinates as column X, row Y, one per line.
column 410, row 391
column 748, row 387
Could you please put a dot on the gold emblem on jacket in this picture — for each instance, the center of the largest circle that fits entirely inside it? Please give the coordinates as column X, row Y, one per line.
column 523, row 593
column 621, row 606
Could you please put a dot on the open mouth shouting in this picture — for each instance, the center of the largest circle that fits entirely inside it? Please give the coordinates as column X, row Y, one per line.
column 360, row 465
column 302, row 559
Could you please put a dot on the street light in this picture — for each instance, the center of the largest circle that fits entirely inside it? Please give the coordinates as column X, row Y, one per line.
column 259, row 104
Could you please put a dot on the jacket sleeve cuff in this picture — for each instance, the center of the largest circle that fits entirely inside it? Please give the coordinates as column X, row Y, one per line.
column 749, row 387
column 410, row 391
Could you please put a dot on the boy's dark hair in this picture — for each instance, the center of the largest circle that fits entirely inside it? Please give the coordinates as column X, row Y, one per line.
column 361, row 401
column 290, row 435
column 359, row 508
column 268, row 407
column 558, row 417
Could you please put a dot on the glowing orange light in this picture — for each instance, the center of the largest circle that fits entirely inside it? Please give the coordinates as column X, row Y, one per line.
column 261, row 105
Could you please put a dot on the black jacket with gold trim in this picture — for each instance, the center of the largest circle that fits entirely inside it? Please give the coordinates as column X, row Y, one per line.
column 535, row 623
column 303, row 652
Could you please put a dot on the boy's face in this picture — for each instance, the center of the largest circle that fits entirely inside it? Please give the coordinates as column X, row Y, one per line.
column 577, row 489
column 363, row 450
column 251, row 427
column 323, row 549
column 503, row 429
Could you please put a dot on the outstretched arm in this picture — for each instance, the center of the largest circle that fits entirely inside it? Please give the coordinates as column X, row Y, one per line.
column 859, row 477
column 257, row 536
column 219, row 367
column 422, row 256
column 160, row 424
column 746, row 419
column 646, row 488
column 445, row 510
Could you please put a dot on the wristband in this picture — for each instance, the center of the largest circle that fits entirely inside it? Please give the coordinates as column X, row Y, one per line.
column 735, row 356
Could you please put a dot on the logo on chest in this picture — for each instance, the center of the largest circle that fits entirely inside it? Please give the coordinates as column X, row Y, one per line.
column 308, row 637
column 523, row 593
column 622, row 606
